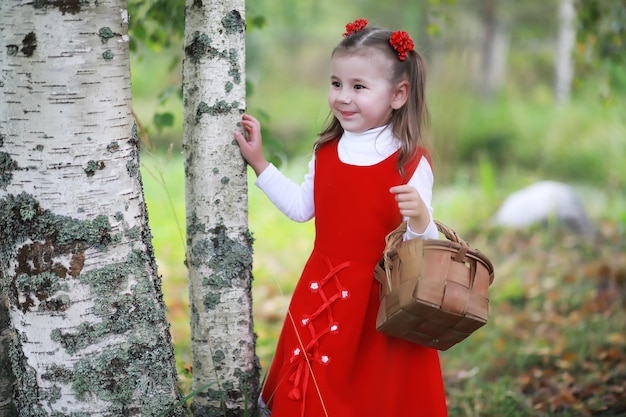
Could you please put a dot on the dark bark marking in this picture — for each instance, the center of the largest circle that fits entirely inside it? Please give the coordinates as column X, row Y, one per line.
column 12, row 50
column 7, row 165
column 93, row 166
column 106, row 33
column 233, row 23
column 65, row 6
column 220, row 107
column 199, row 47
column 39, row 273
column 29, row 44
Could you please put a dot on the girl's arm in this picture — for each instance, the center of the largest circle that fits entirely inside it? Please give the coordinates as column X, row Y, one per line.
column 295, row 201
column 414, row 202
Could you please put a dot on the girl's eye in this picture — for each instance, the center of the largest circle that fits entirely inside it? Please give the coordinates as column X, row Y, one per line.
column 335, row 84
column 359, row 87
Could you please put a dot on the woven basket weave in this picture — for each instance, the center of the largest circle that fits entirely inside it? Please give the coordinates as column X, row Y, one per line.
column 433, row 292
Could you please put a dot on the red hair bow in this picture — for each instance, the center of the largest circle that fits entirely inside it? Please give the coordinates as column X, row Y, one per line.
column 355, row 26
column 402, row 43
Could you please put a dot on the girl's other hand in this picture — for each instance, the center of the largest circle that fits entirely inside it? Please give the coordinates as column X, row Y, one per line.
column 250, row 143
column 411, row 205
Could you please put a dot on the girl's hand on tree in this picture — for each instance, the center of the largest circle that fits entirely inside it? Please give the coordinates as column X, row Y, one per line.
column 411, row 205
column 251, row 143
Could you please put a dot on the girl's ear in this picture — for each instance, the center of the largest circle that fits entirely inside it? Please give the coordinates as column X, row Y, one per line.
column 401, row 95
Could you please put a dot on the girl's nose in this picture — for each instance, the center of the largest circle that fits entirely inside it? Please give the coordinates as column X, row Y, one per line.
column 344, row 96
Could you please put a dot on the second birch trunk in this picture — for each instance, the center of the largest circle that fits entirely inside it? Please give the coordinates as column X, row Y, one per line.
column 219, row 253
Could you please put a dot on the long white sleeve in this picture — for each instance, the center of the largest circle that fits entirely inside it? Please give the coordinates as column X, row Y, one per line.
column 295, row 201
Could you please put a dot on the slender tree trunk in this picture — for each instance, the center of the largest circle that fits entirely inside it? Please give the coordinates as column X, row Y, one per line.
column 219, row 254
column 86, row 315
column 494, row 51
column 564, row 66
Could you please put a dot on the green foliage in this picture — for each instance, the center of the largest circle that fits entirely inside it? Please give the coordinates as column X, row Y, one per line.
column 156, row 24
column 162, row 120
column 602, row 26
column 156, row 29
column 602, row 41
column 521, row 127
column 255, row 22
column 578, row 142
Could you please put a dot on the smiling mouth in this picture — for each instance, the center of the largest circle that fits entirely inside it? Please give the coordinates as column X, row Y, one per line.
column 347, row 114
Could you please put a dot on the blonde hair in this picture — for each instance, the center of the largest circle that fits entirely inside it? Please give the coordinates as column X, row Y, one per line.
column 408, row 122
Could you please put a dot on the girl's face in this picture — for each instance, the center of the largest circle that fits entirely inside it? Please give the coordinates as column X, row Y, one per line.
column 361, row 96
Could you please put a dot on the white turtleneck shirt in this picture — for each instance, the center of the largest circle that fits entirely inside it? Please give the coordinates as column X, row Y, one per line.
column 361, row 149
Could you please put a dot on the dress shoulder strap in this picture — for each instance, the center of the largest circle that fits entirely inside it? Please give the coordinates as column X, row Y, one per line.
column 410, row 168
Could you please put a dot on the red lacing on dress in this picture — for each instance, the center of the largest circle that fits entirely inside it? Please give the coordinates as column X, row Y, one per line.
column 303, row 356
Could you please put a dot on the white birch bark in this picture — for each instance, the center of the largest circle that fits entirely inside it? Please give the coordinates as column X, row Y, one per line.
column 564, row 65
column 495, row 49
column 219, row 255
column 88, row 328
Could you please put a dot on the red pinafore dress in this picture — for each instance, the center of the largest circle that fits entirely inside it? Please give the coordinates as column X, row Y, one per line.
column 330, row 360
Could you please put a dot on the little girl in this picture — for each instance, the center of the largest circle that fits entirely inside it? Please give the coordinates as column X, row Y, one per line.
column 368, row 173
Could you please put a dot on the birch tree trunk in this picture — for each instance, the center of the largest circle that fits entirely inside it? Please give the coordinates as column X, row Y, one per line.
column 564, row 65
column 494, row 51
column 87, row 319
column 219, row 255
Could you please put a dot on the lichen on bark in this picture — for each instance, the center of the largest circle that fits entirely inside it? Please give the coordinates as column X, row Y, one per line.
column 233, row 22
column 199, row 47
column 220, row 107
column 7, row 166
column 105, row 34
column 47, row 251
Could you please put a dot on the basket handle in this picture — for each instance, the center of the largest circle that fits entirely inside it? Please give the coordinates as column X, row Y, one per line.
column 449, row 233
column 396, row 236
column 465, row 248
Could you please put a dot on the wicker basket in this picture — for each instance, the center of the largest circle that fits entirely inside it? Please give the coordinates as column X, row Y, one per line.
column 433, row 292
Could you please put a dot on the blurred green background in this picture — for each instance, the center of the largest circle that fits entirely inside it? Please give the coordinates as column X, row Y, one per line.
column 491, row 83
column 555, row 343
